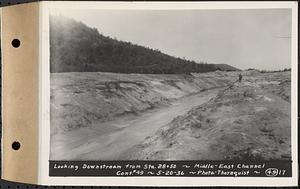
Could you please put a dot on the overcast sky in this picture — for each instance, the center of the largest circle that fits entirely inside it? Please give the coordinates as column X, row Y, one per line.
column 242, row 38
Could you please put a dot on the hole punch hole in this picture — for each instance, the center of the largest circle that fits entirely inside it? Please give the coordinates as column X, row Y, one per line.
column 16, row 145
column 16, row 43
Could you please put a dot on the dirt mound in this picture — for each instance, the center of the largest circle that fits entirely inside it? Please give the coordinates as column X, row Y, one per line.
column 279, row 84
column 242, row 122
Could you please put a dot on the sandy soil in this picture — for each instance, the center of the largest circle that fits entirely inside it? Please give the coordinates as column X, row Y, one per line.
column 104, row 116
column 110, row 140
column 247, row 121
column 81, row 99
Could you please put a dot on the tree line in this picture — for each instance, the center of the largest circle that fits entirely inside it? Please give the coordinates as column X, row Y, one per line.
column 75, row 47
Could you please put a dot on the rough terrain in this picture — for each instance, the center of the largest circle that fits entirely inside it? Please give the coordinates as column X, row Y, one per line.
column 87, row 98
column 248, row 120
column 105, row 116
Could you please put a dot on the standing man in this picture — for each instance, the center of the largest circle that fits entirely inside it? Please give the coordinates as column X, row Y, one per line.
column 240, row 77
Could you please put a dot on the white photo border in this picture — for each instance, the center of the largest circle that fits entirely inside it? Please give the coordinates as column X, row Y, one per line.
column 44, row 97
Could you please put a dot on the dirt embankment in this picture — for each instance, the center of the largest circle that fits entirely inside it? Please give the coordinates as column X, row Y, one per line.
column 87, row 99
column 250, row 120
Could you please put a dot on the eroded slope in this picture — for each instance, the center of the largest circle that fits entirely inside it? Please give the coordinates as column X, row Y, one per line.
column 249, row 120
column 90, row 98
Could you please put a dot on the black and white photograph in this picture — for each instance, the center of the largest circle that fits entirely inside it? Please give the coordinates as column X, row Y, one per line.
column 168, row 85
